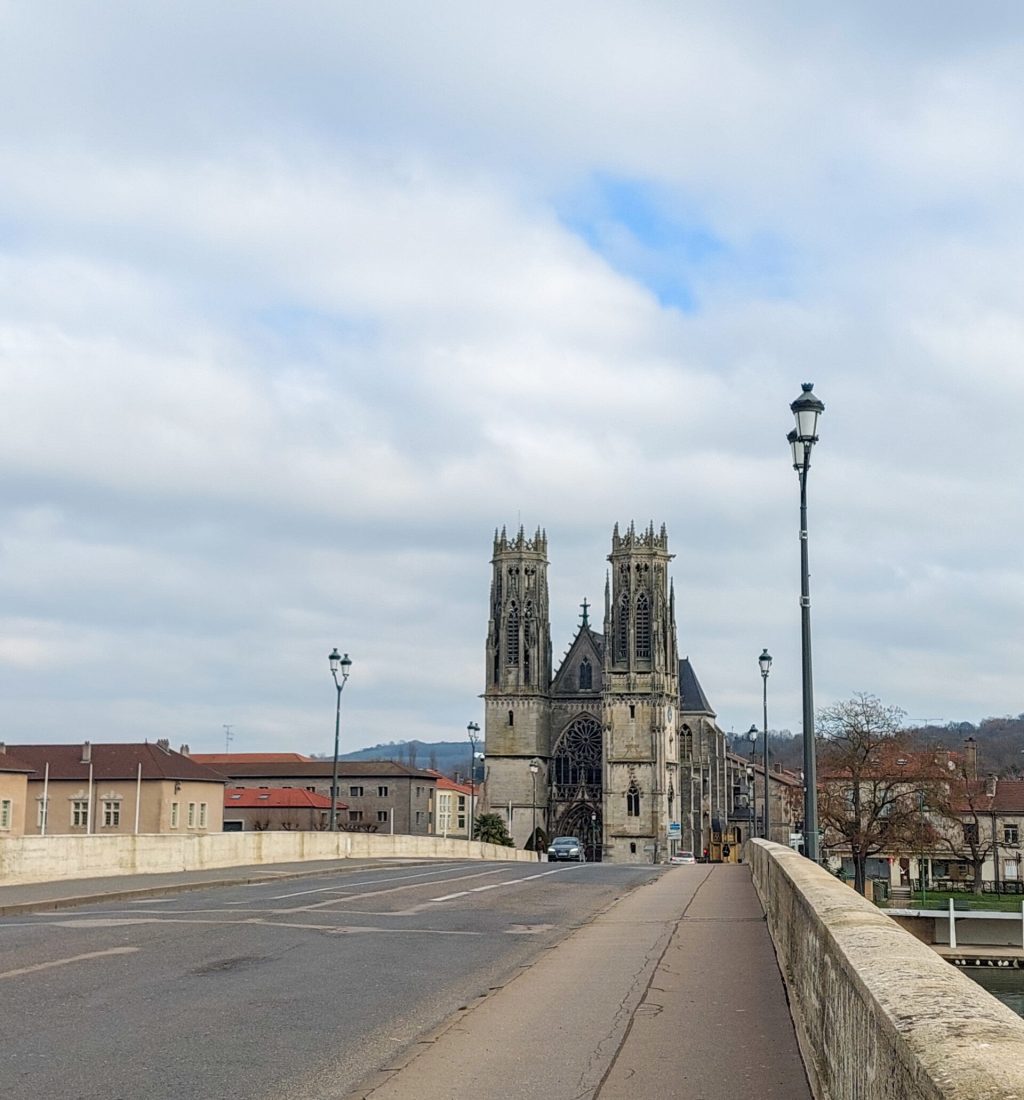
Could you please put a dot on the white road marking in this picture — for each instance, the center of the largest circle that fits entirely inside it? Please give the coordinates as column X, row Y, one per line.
column 65, row 962
column 369, row 882
column 496, row 885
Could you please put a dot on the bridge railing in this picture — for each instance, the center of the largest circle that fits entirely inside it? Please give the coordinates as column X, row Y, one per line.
column 877, row 1013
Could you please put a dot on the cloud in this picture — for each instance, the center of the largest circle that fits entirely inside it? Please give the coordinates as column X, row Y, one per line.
column 299, row 306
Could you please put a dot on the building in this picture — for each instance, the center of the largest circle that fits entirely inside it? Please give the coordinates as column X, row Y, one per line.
column 116, row 789
column 14, row 775
column 618, row 745
column 263, row 809
column 379, row 795
column 451, row 806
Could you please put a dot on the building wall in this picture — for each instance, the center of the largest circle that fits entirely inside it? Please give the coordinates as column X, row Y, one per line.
column 407, row 804
column 156, row 811
column 13, row 802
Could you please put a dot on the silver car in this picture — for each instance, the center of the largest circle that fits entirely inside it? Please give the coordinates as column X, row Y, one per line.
column 566, row 848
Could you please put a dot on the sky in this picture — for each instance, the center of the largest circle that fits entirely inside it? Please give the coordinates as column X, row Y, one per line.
column 300, row 301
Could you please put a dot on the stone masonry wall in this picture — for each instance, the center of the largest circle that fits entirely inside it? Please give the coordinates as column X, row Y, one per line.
column 878, row 1014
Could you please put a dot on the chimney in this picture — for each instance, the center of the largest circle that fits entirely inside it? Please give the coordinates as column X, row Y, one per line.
column 163, row 743
column 3, row 748
column 971, row 758
column 990, row 785
column 86, row 752
column 184, row 750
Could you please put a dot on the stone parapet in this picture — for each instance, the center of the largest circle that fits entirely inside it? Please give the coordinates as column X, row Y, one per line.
column 878, row 1014
column 47, row 858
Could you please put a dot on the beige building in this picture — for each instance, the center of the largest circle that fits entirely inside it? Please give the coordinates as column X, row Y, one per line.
column 13, row 793
column 117, row 789
column 451, row 807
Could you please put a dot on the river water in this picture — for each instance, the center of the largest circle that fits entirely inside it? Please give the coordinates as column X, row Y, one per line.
column 1005, row 985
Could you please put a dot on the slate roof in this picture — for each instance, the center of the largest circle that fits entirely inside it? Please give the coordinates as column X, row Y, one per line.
column 117, row 761
column 276, row 798
column 692, row 699
column 299, row 769
column 10, row 763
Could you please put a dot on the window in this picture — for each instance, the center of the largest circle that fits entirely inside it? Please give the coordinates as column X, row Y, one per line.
column 622, row 635
column 970, row 832
column 5, row 813
column 643, row 627
column 313, row 789
column 1011, row 834
column 633, row 800
column 460, row 816
column 632, row 710
column 355, row 792
column 586, row 675
column 191, row 815
column 174, row 815
column 382, row 815
column 444, row 812
column 511, row 718
column 355, row 815
column 419, row 817
column 202, row 815
column 42, row 812
column 512, row 636
column 80, row 812
column 419, row 792
column 111, row 813
column 382, row 792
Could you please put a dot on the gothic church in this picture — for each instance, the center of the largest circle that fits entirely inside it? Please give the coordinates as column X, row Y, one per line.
column 595, row 749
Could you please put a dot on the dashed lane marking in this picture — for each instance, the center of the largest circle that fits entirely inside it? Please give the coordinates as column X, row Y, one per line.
column 67, row 962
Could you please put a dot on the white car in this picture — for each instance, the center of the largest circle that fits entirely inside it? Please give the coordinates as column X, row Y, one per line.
column 682, row 857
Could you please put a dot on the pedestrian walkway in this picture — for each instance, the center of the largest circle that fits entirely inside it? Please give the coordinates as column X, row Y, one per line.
column 673, row 991
column 68, row 893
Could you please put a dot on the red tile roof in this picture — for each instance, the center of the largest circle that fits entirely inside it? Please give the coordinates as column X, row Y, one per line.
column 119, row 761
column 446, row 784
column 277, row 798
column 247, row 757
column 10, row 763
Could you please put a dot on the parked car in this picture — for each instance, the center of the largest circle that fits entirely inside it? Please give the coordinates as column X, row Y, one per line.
column 566, row 848
column 682, row 857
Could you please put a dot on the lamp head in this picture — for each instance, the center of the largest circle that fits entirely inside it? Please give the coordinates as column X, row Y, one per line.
column 807, row 408
column 765, row 662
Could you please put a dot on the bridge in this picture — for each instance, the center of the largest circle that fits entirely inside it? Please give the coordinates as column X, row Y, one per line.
column 400, row 978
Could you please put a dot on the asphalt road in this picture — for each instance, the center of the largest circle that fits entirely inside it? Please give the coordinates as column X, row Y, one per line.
column 293, row 989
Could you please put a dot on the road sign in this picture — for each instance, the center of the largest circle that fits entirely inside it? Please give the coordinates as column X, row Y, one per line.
column 675, row 829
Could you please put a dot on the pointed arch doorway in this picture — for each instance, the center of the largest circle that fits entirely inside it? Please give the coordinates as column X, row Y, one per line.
column 576, row 790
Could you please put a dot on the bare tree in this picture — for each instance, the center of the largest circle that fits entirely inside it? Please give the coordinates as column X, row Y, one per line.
column 873, row 787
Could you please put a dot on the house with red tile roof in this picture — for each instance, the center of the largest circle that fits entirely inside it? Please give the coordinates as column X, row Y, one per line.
column 269, row 809
column 380, row 795
column 451, row 806
column 110, row 789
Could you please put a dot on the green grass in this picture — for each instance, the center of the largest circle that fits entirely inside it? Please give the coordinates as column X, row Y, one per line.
column 939, row 899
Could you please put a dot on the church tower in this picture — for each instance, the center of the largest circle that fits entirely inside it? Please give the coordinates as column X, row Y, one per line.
column 518, row 678
column 641, row 697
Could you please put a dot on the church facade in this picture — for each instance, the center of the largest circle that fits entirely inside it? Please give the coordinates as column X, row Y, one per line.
column 604, row 746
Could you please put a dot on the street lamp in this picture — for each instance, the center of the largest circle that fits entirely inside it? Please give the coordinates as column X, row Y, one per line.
column 752, row 738
column 806, row 408
column 765, row 664
column 534, row 768
column 344, row 664
column 473, row 731
column 593, row 834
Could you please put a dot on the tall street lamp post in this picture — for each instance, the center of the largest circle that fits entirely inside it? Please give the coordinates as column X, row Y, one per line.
column 806, row 408
column 534, row 768
column 593, row 834
column 473, row 732
column 752, row 777
column 765, row 663
column 344, row 664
